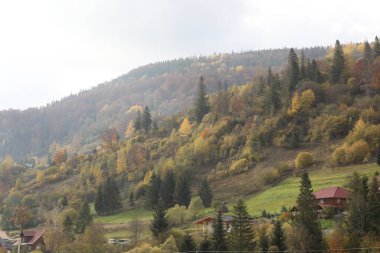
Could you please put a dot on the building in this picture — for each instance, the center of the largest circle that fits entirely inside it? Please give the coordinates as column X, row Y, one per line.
column 203, row 227
column 31, row 239
column 335, row 197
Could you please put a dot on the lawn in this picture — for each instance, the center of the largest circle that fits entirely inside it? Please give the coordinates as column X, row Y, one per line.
column 285, row 193
column 125, row 216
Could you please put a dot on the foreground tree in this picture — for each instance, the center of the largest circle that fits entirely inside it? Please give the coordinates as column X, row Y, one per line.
column 188, row 244
column 84, row 218
column 218, row 241
column 279, row 239
column 241, row 236
column 201, row 104
column 146, row 120
column 160, row 224
column 307, row 218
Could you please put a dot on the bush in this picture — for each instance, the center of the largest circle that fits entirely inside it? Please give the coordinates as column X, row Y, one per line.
column 339, row 156
column 239, row 166
column 303, row 160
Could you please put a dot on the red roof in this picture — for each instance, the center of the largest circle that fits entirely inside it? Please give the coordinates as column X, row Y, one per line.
column 332, row 192
column 33, row 236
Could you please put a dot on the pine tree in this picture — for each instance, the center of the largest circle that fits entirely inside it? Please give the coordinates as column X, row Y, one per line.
column 167, row 189
column 187, row 244
column 138, row 121
column 201, row 104
column 272, row 98
column 241, row 236
column 99, row 207
column 293, row 71
column 376, row 47
column 315, row 75
column 378, row 154
column 278, row 239
column 338, row 64
column 182, row 191
column 154, row 191
column 131, row 199
column 205, row 193
column 218, row 240
column 374, row 206
column 303, row 67
column 114, row 196
column 367, row 54
column 84, row 218
column 159, row 224
column 205, row 246
column 307, row 218
column 146, row 120
column 264, row 241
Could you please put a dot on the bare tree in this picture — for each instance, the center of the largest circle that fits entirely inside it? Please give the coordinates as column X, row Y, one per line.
column 136, row 228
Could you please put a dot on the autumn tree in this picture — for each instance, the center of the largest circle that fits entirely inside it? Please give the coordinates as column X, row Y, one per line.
column 195, row 206
column 121, row 161
column 201, row 102
column 278, row 238
column 146, row 120
column 263, row 241
column 110, row 139
column 129, row 132
column 338, row 64
column 21, row 217
column 185, row 128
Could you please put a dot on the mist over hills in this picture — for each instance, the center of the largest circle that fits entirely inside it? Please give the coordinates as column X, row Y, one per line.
column 166, row 87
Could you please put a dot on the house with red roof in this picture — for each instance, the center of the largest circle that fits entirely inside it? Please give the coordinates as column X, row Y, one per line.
column 31, row 239
column 335, row 197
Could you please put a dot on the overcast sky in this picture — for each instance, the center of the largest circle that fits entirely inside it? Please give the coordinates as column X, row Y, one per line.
column 50, row 49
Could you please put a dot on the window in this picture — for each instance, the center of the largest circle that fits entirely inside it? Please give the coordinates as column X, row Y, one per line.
column 337, row 200
column 321, row 201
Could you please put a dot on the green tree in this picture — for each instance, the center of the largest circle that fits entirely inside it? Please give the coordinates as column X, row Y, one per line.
column 201, row 104
column 205, row 246
column 374, row 206
column 195, row 206
column 241, row 236
column 131, row 199
column 154, row 191
column 378, row 154
column 279, row 239
column 68, row 225
column 187, row 244
column 307, row 218
column 272, row 97
column 264, row 241
column 205, row 193
column 218, row 240
column 159, row 224
column 314, row 73
column 99, row 205
column 303, row 67
column 182, row 192
column 138, row 121
column 338, row 64
column 293, row 71
column 146, row 120
column 84, row 217
column 167, row 189
column 376, row 47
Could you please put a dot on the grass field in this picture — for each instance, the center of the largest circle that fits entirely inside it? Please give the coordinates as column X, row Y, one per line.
column 125, row 217
column 285, row 193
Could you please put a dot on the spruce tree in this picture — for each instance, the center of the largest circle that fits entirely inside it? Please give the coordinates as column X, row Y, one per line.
column 187, row 244
column 115, row 197
column 378, row 154
column 201, row 104
column 264, row 241
column 154, row 191
column 272, row 98
column 307, row 218
column 205, row 246
column 205, row 193
column 241, row 236
column 367, row 54
column 303, row 67
column 218, row 241
column 159, row 224
column 374, row 206
column 146, row 120
column 99, row 206
column 182, row 191
column 167, row 189
column 338, row 63
column 315, row 74
column 279, row 239
column 293, row 71
column 376, row 47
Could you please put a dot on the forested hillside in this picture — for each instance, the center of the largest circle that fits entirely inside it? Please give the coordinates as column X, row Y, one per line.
column 166, row 87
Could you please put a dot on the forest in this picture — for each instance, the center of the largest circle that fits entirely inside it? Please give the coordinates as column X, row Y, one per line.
column 194, row 137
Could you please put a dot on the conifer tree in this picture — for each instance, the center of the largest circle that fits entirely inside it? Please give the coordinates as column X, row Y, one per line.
column 154, row 126
column 338, row 64
column 138, row 121
column 201, row 104
column 264, row 241
column 293, row 71
column 84, row 217
column 131, row 199
column 315, row 75
column 159, row 224
column 68, row 225
column 182, row 191
column 376, row 47
column 378, row 154
column 241, row 236
column 188, row 244
column 218, row 241
column 205, row 193
column 272, row 97
column 205, row 246
column 99, row 208
column 307, row 218
column 278, row 239
column 367, row 54
column 167, row 189
column 303, row 67
column 374, row 206
column 146, row 120
column 154, row 191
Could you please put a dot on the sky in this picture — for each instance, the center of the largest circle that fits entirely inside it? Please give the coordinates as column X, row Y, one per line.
column 53, row 48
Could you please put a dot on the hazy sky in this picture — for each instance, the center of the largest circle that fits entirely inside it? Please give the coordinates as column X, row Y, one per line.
column 49, row 49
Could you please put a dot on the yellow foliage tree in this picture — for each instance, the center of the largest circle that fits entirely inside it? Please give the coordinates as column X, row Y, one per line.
column 301, row 103
column 130, row 131
column 185, row 127
column 40, row 177
column 121, row 162
column 7, row 162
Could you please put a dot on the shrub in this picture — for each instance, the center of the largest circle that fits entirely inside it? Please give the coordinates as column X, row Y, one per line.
column 339, row 156
column 303, row 160
column 239, row 166
column 357, row 152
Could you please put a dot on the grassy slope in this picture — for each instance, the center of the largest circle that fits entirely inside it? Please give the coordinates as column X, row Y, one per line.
column 125, row 217
column 285, row 193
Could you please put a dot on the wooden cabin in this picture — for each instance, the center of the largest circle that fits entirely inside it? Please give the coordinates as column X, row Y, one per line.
column 203, row 227
column 335, row 197
column 31, row 239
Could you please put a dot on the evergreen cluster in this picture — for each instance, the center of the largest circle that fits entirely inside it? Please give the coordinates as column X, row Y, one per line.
column 107, row 200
